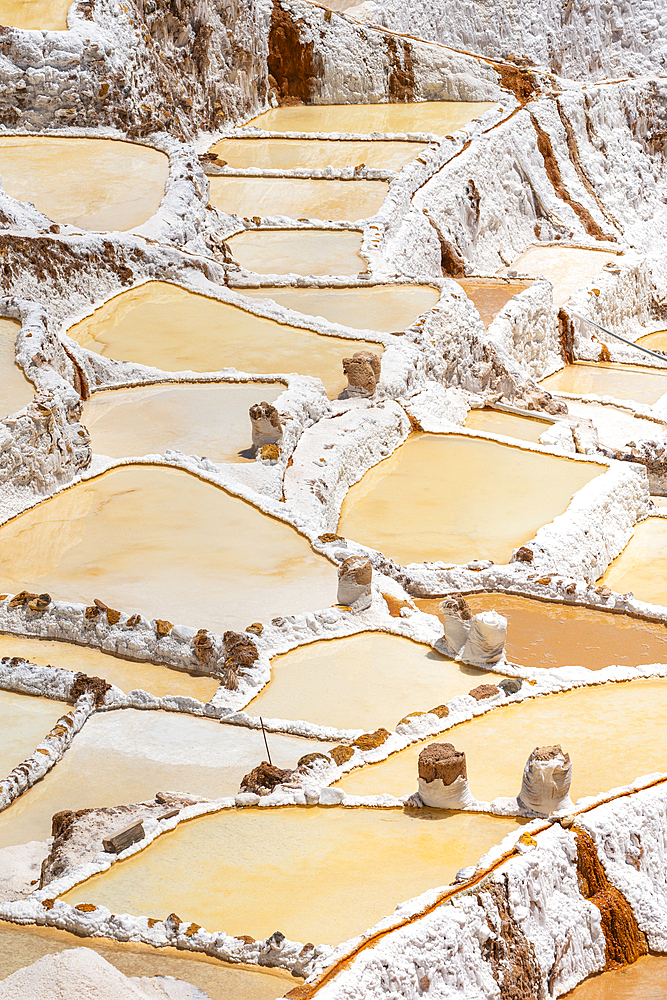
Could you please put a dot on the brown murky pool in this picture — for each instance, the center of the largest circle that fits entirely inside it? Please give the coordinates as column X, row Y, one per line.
column 125, row 674
column 21, row 946
column 447, row 497
column 303, row 251
column 290, row 154
column 641, row 566
column 490, row 296
column 587, row 722
column 496, row 422
column 541, row 634
column 643, row 385
column 362, row 682
column 387, row 308
column 329, row 200
column 304, row 871
column 128, row 755
column 47, row 15
column 645, row 980
column 129, row 538
column 438, row 117
column 24, row 722
column 15, row 390
column 83, row 182
column 203, row 420
column 568, row 268
column 182, row 331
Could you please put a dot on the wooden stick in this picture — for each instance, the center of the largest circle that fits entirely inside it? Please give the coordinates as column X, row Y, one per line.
column 266, row 744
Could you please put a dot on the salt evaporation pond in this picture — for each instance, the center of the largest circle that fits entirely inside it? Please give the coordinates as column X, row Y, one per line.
column 640, row 568
column 490, row 296
column 452, row 498
column 613, row 733
column 545, row 634
column 15, row 390
column 298, row 251
column 636, row 382
column 47, row 15
column 435, row 117
column 128, row 755
column 615, row 426
column 362, row 682
column 331, row 200
column 151, row 419
column 128, row 537
column 387, row 308
column 24, row 722
column 83, row 182
column 183, row 331
column 645, row 980
column 21, row 946
column 128, row 675
column 304, row 871
column 654, row 341
column 490, row 421
column 567, row 268
column 291, row 154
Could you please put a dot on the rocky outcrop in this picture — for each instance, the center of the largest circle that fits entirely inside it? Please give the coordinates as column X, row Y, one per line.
column 547, row 776
column 355, row 575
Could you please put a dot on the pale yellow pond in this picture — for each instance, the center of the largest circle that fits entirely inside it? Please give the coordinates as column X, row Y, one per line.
column 303, row 251
column 451, row 498
column 47, row 15
column 587, row 722
column 202, row 420
column 654, row 341
column 645, row 980
column 21, row 946
column 643, row 385
column 387, row 308
column 544, row 634
column 437, row 117
column 125, row 674
column 24, row 722
column 509, row 424
column 490, row 296
column 15, row 390
column 306, row 872
column 84, row 182
column 297, row 198
column 567, row 268
column 128, row 755
column 289, row 154
column 641, row 567
column 170, row 328
column 362, row 682
column 130, row 539
column 616, row 427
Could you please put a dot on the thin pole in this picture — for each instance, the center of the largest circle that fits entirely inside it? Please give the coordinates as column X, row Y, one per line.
column 661, row 357
column 266, row 744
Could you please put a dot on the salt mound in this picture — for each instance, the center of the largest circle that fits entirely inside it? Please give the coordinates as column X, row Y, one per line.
column 84, row 974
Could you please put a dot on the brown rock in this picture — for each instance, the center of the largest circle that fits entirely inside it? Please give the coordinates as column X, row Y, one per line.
column 82, row 684
column 202, row 644
column 256, row 628
column 341, row 754
column 312, row 758
column 40, row 603
column 440, row 710
column 133, row 620
column 264, row 778
column 18, row 600
column 117, row 842
column 329, row 536
column 444, row 761
column 523, row 554
column 163, row 627
column 85, row 907
column 91, row 612
column 192, row 930
column 360, row 371
column 483, row 691
column 369, row 741
column 357, row 569
column 407, row 719
column 270, row 452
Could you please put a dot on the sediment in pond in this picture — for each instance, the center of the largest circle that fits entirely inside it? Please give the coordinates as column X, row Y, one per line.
column 298, row 251
column 640, row 568
column 437, row 117
column 83, row 182
column 332, row 200
column 641, row 384
column 567, row 268
column 290, row 154
column 431, row 499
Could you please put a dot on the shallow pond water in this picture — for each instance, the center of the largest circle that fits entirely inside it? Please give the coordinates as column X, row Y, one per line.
column 643, row 385
column 496, row 422
column 47, row 15
column 387, row 308
column 128, row 537
column 125, row 674
column 616, row 427
column 612, row 734
column 289, row 154
column 24, row 722
column 128, row 755
column 302, row 251
column 183, row 331
column 304, row 871
column 567, row 268
column 654, row 341
column 640, row 568
column 15, row 389
column 490, row 296
column 83, row 182
column 438, row 117
column 447, row 497
column 645, row 980
column 21, row 946
column 543, row 634
column 362, row 682
column 298, row 198
column 151, row 419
